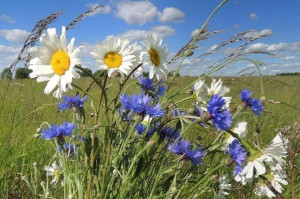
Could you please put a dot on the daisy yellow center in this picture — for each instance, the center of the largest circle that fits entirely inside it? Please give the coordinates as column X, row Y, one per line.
column 154, row 56
column 113, row 60
column 56, row 174
column 60, row 62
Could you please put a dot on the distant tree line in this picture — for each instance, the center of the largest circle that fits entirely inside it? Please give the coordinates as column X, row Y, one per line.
column 23, row 73
column 287, row 74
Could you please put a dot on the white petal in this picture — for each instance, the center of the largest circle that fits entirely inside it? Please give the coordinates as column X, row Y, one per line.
column 52, row 84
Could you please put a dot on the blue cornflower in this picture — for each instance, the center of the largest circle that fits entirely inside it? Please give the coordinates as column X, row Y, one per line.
column 221, row 118
column 150, row 88
column 238, row 154
column 72, row 102
column 178, row 112
column 169, row 133
column 255, row 104
column 70, row 149
column 140, row 104
column 182, row 148
column 140, row 129
column 65, row 129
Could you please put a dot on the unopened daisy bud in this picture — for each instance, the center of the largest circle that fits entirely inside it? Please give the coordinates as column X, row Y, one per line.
column 35, row 164
column 38, row 130
column 74, row 109
column 115, row 172
column 37, row 135
column 215, row 177
column 70, row 196
column 173, row 191
column 263, row 99
column 150, row 143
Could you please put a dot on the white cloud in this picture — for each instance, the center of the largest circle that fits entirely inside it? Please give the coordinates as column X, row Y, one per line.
column 295, row 46
column 170, row 14
column 257, row 47
column 136, row 12
column 133, row 35
column 255, row 33
column 7, row 19
column 212, row 48
column 163, row 31
column 289, row 58
column 7, row 55
column 274, row 47
column 14, row 35
column 9, row 49
column 237, row 26
column 194, row 32
column 253, row 16
column 101, row 10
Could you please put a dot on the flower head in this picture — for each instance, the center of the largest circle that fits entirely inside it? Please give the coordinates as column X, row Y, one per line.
column 203, row 93
column 182, row 148
column 255, row 104
column 255, row 167
column 238, row 154
column 151, row 88
column 276, row 152
column 240, row 129
column 72, row 102
column 141, row 128
column 156, row 56
column 275, row 180
column 169, row 133
column 221, row 117
column 68, row 148
column 224, row 186
column 54, row 62
column 65, row 129
column 116, row 55
column 55, row 170
column 140, row 104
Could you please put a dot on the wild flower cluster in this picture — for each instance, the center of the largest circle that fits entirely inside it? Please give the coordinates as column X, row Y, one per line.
column 140, row 144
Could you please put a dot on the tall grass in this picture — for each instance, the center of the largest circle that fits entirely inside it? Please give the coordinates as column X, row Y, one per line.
column 26, row 107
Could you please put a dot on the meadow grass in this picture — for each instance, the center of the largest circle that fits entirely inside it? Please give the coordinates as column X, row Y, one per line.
column 25, row 107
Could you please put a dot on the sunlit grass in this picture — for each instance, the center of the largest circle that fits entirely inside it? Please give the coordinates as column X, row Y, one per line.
column 25, row 107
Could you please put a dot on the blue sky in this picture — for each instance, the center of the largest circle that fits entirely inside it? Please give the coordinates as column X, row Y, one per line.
column 174, row 20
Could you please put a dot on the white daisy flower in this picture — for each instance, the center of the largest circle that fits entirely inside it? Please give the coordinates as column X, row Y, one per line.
column 262, row 189
column 55, row 171
column 276, row 152
column 116, row 55
column 276, row 179
column 255, row 165
column 54, row 62
column 240, row 129
column 156, row 56
column 203, row 92
column 273, row 156
column 224, row 186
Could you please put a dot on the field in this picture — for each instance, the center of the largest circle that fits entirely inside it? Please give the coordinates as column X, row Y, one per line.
column 24, row 108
